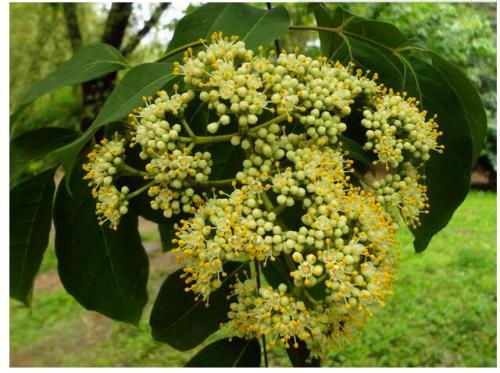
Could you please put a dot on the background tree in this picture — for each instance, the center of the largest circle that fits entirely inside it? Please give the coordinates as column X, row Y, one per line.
column 52, row 40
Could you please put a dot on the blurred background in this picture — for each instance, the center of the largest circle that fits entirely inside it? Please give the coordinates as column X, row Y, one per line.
column 443, row 312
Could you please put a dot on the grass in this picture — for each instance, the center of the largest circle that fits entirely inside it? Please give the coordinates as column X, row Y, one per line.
column 443, row 312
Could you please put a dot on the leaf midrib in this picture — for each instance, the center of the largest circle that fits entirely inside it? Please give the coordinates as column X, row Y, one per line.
column 241, row 354
column 28, row 240
column 113, row 270
column 264, row 16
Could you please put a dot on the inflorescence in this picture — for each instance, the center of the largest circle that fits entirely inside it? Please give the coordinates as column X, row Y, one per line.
column 288, row 113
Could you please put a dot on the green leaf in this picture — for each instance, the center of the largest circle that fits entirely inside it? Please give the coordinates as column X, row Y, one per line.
column 35, row 145
column 104, row 270
column 183, row 322
column 254, row 26
column 276, row 272
column 469, row 98
column 299, row 357
column 447, row 174
column 362, row 41
column 228, row 352
column 228, row 160
column 88, row 63
column 355, row 150
column 30, row 220
column 142, row 80
column 377, row 33
column 167, row 233
column 328, row 41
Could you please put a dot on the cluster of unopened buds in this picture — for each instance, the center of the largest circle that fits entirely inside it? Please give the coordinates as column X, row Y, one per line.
column 297, row 201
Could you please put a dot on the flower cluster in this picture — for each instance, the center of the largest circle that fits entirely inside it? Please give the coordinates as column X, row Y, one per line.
column 395, row 126
column 269, row 312
column 104, row 163
column 174, row 175
column 231, row 227
column 404, row 192
column 343, row 245
column 296, row 203
column 172, row 168
column 150, row 128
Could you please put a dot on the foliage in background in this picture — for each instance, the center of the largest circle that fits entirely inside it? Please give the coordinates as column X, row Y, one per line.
column 35, row 52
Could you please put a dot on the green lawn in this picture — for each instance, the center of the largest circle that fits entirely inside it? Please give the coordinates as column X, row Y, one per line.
column 443, row 312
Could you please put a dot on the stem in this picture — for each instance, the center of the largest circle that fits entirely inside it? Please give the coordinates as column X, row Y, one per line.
column 267, row 201
column 221, row 138
column 173, row 52
column 185, row 139
column 364, row 180
column 279, row 209
column 190, row 147
column 264, row 347
column 142, row 189
column 207, row 139
column 216, row 182
column 187, row 128
column 213, row 139
column 310, row 301
column 132, row 171
column 315, row 28
column 277, row 119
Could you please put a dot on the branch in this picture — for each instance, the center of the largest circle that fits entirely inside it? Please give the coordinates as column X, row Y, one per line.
column 257, row 275
column 210, row 183
column 278, row 119
column 132, row 171
column 142, row 189
column 135, row 40
column 72, row 25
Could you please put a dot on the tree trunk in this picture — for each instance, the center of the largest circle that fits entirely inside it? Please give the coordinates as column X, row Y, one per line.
column 72, row 26
column 135, row 40
column 95, row 92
